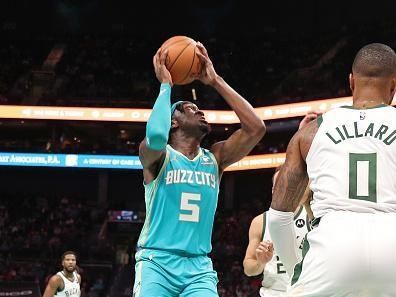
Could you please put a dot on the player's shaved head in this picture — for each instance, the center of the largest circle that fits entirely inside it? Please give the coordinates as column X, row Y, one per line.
column 375, row 60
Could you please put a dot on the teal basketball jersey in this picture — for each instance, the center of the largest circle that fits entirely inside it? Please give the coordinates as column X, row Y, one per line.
column 181, row 203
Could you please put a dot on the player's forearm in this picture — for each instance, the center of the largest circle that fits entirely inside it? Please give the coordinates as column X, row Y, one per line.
column 250, row 122
column 159, row 123
column 252, row 267
column 283, row 235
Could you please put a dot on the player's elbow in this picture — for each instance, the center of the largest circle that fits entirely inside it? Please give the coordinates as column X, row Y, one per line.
column 157, row 141
column 258, row 129
column 247, row 269
column 248, row 272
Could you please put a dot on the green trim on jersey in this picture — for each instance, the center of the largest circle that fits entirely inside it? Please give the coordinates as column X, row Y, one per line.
column 298, row 213
column 319, row 120
column 371, row 107
column 308, row 222
column 264, row 225
column 298, row 267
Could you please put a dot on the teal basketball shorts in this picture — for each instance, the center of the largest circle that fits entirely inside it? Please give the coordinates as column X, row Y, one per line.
column 164, row 274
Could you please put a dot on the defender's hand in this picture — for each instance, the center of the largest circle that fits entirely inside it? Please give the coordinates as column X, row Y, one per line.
column 309, row 117
column 265, row 251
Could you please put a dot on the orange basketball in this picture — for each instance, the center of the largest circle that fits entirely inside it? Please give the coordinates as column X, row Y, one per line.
column 182, row 61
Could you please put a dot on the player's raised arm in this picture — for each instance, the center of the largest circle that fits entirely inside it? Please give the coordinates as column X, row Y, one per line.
column 152, row 149
column 242, row 141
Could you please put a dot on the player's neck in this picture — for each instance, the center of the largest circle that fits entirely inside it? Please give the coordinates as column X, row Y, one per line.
column 370, row 98
column 188, row 146
column 69, row 275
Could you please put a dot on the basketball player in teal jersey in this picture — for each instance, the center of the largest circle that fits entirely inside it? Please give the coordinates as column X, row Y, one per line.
column 181, row 181
column 348, row 157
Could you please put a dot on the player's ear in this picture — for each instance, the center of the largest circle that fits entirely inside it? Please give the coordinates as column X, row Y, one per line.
column 351, row 82
column 174, row 123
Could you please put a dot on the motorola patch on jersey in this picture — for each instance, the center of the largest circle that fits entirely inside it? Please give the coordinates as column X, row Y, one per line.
column 300, row 223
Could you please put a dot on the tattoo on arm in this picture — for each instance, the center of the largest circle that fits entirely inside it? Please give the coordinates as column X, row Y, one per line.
column 296, row 188
column 292, row 180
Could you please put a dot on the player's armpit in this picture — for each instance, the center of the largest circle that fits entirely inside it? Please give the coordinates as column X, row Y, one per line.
column 151, row 160
column 147, row 156
column 292, row 179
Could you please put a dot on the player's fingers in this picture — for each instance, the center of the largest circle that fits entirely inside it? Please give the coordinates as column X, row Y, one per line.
column 259, row 251
column 202, row 57
column 155, row 56
column 314, row 113
column 311, row 117
column 263, row 249
column 267, row 246
column 163, row 57
column 265, row 242
column 202, row 48
column 155, row 63
column 194, row 75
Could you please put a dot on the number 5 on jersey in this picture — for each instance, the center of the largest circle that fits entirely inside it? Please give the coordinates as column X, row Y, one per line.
column 189, row 207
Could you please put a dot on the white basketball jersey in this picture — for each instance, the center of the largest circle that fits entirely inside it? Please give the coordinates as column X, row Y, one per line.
column 352, row 161
column 71, row 289
column 274, row 274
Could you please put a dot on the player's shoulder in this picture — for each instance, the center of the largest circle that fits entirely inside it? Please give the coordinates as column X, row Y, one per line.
column 56, row 280
column 256, row 227
column 258, row 220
